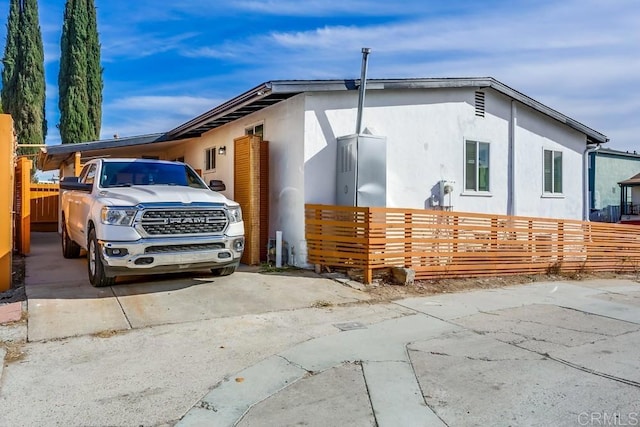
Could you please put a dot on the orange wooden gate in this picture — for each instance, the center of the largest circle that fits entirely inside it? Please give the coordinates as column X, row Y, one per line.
column 7, row 150
column 251, row 190
column 22, row 206
column 44, row 206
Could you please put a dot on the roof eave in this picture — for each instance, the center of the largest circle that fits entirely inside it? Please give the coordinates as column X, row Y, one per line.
column 299, row 86
column 51, row 157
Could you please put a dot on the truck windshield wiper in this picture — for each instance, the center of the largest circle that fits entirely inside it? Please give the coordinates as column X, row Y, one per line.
column 120, row 185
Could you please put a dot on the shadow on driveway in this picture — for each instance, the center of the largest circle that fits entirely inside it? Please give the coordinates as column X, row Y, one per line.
column 62, row 303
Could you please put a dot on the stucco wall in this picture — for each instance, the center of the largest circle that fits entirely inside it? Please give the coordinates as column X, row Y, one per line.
column 609, row 170
column 426, row 131
column 535, row 133
column 283, row 129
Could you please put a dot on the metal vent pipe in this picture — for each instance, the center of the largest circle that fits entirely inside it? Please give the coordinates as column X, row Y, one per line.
column 363, row 87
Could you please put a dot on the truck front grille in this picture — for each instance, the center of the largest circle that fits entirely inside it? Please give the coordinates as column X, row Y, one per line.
column 177, row 221
column 183, row 248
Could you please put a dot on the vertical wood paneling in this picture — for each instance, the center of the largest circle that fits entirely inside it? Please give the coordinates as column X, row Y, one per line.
column 23, row 206
column 251, row 191
column 45, row 206
column 264, row 199
column 7, row 171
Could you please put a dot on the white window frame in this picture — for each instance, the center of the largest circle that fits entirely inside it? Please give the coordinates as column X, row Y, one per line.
column 210, row 159
column 251, row 130
column 475, row 191
column 553, row 192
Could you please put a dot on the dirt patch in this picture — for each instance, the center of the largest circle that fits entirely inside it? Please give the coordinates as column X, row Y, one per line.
column 17, row 292
column 107, row 334
column 384, row 288
column 14, row 352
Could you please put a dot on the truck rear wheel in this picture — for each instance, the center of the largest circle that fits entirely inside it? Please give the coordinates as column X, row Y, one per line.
column 70, row 249
column 225, row 271
column 97, row 275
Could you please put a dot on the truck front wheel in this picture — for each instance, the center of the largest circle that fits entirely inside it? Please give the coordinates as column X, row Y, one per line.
column 70, row 249
column 95, row 266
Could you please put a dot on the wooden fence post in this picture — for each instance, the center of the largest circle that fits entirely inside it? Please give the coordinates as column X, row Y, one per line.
column 560, row 241
column 494, row 234
column 408, row 239
column 23, row 211
column 77, row 164
column 456, row 233
column 368, row 270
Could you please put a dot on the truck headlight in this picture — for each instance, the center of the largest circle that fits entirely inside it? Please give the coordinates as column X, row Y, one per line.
column 235, row 214
column 118, row 216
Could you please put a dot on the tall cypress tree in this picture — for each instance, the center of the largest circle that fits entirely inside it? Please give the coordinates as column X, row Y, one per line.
column 80, row 78
column 94, row 71
column 23, row 90
column 11, row 59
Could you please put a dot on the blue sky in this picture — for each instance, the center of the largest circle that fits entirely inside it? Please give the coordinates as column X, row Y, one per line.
column 166, row 62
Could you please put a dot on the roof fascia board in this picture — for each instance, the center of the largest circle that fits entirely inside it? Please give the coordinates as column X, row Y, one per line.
column 111, row 143
column 617, row 154
column 230, row 106
column 523, row 99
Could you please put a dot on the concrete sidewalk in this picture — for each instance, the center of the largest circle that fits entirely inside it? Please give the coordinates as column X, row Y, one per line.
column 261, row 350
column 545, row 354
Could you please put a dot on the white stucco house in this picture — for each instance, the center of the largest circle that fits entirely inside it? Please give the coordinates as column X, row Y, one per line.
column 497, row 150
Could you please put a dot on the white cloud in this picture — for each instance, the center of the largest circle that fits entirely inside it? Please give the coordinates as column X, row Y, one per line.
column 177, row 105
column 118, row 44
column 324, row 8
column 139, row 115
column 142, row 124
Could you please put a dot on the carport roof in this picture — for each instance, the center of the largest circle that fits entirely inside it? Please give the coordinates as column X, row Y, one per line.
column 272, row 92
column 51, row 157
column 634, row 181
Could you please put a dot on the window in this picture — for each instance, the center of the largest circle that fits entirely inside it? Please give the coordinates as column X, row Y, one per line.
column 88, row 174
column 257, row 130
column 476, row 161
column 210, row 159
column 552, row 171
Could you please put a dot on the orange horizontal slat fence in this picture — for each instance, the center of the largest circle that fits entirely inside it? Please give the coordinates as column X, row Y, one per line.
column 44, row 206
column 439, row 244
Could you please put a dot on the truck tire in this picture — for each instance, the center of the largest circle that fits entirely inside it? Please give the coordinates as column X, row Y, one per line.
column 95, row 266
column 225, row 271
column 70, row 249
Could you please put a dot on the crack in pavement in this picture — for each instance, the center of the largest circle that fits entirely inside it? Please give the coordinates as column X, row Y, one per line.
column 297, row 365
column 124, row 313
column 479, row 359
column 422, row 391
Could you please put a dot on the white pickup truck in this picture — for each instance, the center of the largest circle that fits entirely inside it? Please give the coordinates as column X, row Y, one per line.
column 138, row 216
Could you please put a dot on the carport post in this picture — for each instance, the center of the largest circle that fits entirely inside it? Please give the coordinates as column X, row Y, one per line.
column 77, row 165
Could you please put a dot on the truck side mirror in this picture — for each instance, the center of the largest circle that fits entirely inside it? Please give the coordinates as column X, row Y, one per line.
column 217, row 185
column 73, row 183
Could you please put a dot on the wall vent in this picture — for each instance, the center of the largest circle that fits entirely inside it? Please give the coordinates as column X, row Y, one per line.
column 479, row 104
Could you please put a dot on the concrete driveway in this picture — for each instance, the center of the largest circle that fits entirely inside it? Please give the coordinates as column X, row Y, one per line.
column 62, row 302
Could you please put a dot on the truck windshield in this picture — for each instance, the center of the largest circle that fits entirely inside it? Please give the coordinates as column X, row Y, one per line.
column 124, row 174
